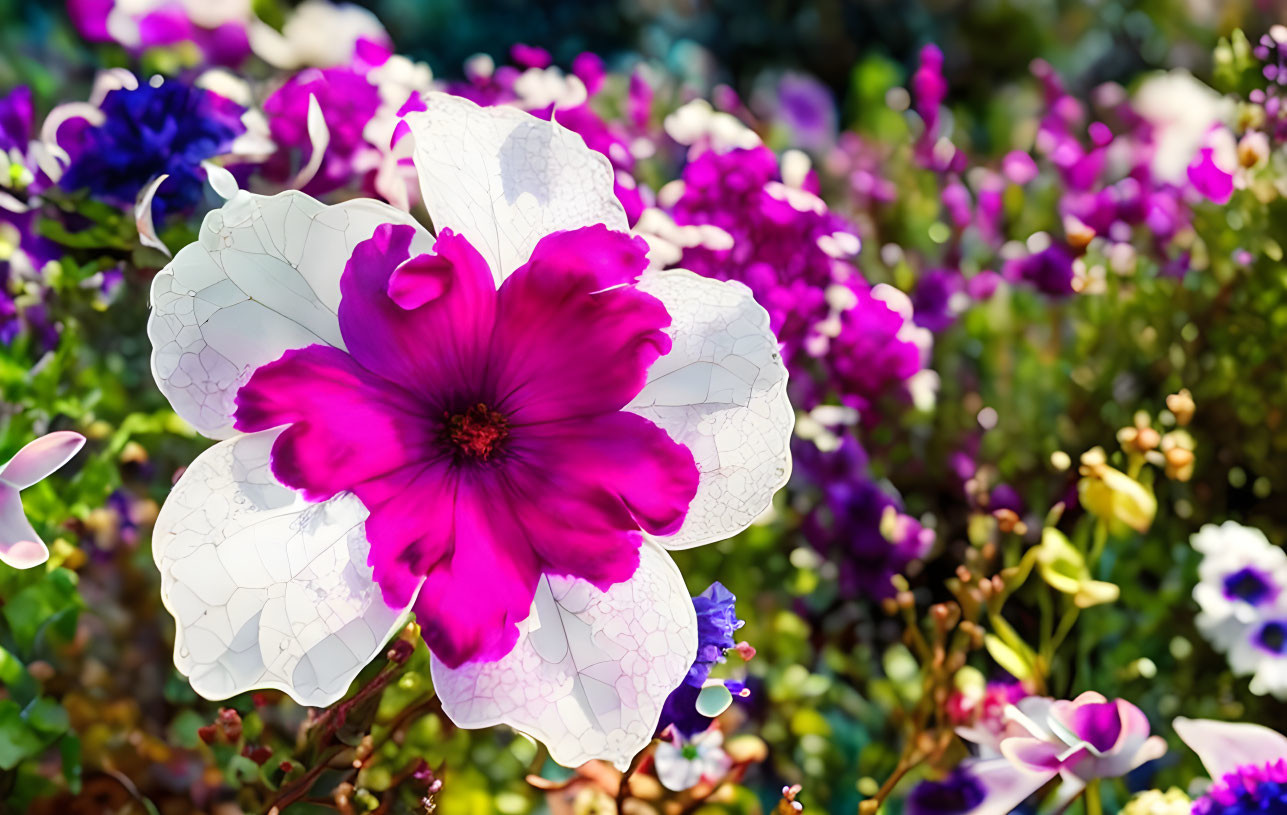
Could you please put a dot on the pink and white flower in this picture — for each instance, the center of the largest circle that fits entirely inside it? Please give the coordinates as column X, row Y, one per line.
column 503, row 428
column 20, row 546
column 1081, row 740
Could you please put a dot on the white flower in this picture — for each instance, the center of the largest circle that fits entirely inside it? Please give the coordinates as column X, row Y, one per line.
column 270, row 589
column 20, row 546
column 320, row 34
column 684, row 764
column 1182, row 111
column 1261, row 653
column 1241, row 578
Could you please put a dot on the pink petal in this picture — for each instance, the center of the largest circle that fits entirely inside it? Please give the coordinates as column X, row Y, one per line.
column 474, row 598
column 347, row 425
column 571, row 338
column 586, row 487
column 411, row 527
column 20, row 546
column 1225, row 746
column 41, row 458
column 432, row 347
column 1034, row 755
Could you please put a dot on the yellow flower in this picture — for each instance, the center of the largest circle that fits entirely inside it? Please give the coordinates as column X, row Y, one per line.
column 1064, row 569
column 1156, row 802
column 1113, row 495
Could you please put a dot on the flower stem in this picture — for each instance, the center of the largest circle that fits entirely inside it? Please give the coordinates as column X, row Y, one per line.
column 1094, row 806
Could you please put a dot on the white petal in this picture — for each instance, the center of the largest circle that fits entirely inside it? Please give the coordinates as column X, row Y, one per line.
column 721, row 391
column 143, row 215
column 41, row 458
column 20, row 546
column 267, row 590
column 1224, row 746
column 505, row 179
column 591, row 669
column 263, row 278
column 1006, row 785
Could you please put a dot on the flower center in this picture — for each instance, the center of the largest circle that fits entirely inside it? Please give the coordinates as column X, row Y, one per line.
column 1273, row 637
column 1248, row 585
column 477, row 432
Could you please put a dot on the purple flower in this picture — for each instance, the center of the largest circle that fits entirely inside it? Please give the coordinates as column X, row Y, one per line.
column 960, row 792
column 775, row 246
column 805, row 106
column 1050, row 271
column 221, row 35
column 877, row 350
column 169, row 128
column 933, row 305
column 16, row 115
column 855, row 522
column 716, row 623
column 1247, row 764
column 348, row 101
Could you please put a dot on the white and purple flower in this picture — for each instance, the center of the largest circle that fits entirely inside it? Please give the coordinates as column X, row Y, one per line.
column 1082, row 740
column 1242, row 579
column 502, row 428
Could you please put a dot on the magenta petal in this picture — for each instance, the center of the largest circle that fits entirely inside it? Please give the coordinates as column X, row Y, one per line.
column 473, row 599
column 572, row 338
column 1033, row 754
column 411, row 526
column 347, row 425
column 1100, row 725
column 621, row 458
column 420, row 280
column 429, row 349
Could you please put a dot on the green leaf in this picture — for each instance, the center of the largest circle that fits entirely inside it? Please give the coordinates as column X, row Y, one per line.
column 69, row 749
column 17, row 740
column 1007, row 657
column 47, row 716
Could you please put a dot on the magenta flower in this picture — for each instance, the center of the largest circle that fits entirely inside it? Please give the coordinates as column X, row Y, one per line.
column 20, row 546
column 461, row 412
column 502, row 429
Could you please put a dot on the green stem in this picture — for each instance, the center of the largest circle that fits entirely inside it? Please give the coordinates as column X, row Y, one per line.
column 1094, row 806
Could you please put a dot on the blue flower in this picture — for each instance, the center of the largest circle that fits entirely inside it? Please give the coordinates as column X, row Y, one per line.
column 168, row 128
column 958, row 792
column 1249, row 789
column 716, row 622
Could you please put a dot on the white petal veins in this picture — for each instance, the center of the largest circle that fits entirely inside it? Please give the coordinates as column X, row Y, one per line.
column 263, row 278
column 505, row 179
column 267, row 589
column 591, row 669
column 721, row 391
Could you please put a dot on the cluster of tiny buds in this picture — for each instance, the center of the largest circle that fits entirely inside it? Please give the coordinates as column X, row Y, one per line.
column 226, row 728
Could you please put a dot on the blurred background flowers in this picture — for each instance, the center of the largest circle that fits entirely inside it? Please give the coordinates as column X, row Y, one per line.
column 1026, row 264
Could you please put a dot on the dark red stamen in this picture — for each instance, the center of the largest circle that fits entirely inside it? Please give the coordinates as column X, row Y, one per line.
column 477, row 432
